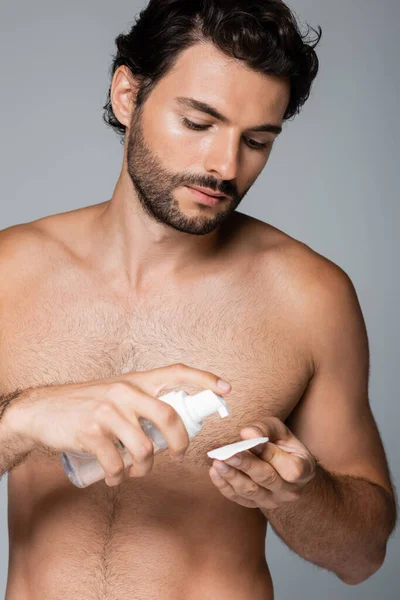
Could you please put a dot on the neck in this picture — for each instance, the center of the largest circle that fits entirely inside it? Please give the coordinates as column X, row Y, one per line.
column 144, row 251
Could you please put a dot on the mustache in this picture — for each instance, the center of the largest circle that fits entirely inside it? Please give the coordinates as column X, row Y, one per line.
column 228, row 188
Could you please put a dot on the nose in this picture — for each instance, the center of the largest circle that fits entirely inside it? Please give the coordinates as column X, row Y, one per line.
column 222, row 158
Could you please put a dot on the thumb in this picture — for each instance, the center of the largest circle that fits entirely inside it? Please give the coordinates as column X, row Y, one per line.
column 249, row 433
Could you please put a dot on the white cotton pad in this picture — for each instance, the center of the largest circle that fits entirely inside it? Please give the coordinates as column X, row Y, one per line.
column 231, row 449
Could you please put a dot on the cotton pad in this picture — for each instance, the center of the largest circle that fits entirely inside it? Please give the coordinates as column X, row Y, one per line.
column 225, row 452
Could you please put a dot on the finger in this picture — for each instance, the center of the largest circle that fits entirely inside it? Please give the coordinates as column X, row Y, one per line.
column 265, row 476
column 111, row 464
column 142, row 460
column 139, row 447
column 257, row 450
column 273, row 428
column 134, row 403
column 259, row 471
column 227, row 490
column 291, row 468
column 285, row 452
column 155, row 381
column 241, row 489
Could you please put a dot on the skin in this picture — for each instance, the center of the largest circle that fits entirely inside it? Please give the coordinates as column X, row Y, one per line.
column 152, row 278
column 220, row 154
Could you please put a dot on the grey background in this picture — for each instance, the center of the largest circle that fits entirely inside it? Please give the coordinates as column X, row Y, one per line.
column 331, row 180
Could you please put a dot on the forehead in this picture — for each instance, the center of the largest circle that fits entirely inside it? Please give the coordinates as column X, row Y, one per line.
column 203, row 72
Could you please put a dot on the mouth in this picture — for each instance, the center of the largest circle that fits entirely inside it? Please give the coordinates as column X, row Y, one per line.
column 206, row 196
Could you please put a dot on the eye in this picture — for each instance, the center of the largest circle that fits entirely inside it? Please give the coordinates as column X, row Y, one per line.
column 256, row 145
column 201, row 127
column 194, row 126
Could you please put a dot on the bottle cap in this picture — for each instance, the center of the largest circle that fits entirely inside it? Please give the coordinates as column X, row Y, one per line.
column 206, row 403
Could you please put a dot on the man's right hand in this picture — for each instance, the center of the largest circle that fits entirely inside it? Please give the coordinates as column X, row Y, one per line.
column 88, row 417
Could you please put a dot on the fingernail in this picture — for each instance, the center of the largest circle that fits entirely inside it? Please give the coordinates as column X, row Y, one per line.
column 234, row 461
column 224, row 385
column 260, row 433
column 221, row 467
column 179, row 458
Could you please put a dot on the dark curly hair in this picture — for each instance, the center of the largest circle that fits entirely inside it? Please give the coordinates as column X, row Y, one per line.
column 264, row 34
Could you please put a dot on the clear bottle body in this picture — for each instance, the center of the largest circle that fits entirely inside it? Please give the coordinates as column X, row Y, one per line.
column 83, row 468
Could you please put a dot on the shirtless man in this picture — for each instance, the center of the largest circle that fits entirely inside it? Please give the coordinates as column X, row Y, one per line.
column 164, row 287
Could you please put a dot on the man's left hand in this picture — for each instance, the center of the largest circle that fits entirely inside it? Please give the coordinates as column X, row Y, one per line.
column 268, row 479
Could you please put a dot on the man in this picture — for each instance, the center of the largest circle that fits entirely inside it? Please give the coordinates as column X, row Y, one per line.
column 168, row 286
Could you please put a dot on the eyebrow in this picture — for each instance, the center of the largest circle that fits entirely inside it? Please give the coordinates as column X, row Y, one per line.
column 213, row 112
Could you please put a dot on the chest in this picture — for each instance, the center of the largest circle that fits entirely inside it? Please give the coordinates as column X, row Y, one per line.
column 237, row 332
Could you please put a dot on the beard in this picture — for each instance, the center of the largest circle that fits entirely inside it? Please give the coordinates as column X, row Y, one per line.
column 155, row 187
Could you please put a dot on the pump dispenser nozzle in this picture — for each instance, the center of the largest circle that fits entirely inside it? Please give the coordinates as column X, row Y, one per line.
column 206, row 403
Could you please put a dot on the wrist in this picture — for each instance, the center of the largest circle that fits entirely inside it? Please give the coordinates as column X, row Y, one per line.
column 14, row 420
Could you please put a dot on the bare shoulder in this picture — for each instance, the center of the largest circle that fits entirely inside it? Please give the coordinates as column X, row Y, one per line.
column 296, row 263
column 23, row 248
column 312, row 288
column 320, row 284
column 28, row 250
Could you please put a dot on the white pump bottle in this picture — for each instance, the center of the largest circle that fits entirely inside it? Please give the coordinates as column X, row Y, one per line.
column 83, row 468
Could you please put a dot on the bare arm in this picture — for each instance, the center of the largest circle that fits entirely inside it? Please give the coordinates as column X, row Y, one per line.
column 346, row 514
column 21, row 254
column 341, row 523
column 13, row 447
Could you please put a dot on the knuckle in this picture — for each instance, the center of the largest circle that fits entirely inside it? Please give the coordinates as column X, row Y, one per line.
column 250, row 491
column 92, row 430
column 295, row 471
column 293, row 476
column 103, row 411
column 145, row 450
column 270, row 478
column 115, row 471
column 167, row 414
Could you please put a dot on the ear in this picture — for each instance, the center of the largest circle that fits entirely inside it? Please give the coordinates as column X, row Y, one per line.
column 124, row 88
